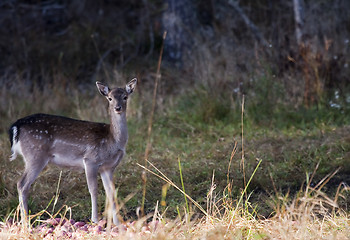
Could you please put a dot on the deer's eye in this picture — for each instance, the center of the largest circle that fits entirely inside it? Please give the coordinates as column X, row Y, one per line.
column 125, row 98
column 109, row 99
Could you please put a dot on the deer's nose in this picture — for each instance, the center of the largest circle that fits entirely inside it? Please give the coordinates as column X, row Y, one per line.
column 118, row 108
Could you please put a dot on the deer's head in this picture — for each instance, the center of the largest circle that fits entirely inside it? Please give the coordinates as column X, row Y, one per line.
column 117, row 97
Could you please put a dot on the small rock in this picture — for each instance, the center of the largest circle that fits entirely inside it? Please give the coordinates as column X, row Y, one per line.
column 79, row 224
column 84, row 228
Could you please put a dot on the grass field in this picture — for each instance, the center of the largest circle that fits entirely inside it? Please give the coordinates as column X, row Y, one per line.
column 288, row 157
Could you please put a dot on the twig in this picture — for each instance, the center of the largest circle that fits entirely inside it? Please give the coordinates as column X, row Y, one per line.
column 183, row 186
column 149, row 132
column 234, row 150
column 57, row 192
column 242, row 160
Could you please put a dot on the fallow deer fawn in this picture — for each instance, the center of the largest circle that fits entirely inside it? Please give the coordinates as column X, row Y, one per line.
column 92, row 147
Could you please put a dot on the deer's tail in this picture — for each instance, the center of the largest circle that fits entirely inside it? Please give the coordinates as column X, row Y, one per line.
column 14, row 136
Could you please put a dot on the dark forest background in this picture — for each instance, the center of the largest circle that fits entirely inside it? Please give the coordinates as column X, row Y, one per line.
column 223, row 45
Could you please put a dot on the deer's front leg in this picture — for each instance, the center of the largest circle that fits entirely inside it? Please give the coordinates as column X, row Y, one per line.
column 108, row 184
column 91, row 177
column 107, row 180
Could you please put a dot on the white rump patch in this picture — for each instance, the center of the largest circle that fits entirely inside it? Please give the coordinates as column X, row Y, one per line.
column 16, row 149
column 16, row 145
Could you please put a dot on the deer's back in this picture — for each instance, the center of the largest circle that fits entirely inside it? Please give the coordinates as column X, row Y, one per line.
column 46, row 127
column 61, row 140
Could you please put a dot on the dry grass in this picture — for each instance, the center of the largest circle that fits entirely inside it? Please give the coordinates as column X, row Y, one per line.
column 310, row 215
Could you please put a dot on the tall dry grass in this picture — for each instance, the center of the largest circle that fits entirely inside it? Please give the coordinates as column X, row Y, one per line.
column 310, row 215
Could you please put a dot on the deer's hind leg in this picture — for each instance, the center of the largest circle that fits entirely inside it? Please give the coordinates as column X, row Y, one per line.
column 33, row 167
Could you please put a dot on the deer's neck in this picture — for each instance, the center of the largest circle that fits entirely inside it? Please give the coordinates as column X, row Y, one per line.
column 119, row 128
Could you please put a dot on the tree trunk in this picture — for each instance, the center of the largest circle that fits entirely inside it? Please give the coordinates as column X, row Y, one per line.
column 299, row 20
column 179, row 20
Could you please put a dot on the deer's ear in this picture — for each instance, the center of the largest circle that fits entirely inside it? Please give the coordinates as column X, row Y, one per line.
column 103, row 89
column 130, row 87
